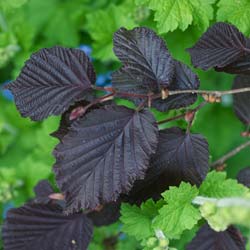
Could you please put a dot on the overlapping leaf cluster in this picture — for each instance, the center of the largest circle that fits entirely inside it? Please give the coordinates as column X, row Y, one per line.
column 109, row 153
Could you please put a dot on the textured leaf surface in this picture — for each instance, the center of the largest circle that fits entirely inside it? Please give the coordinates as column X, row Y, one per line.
column 137, row 221
column 241, row 101
column 207, row 239
column 217, row 186
column 240, row 66
column 103, row 154
column 45, row 227
column 243, row 176
column 147, row 64
column 184, row 78
column 221, row 45
column 179, row 214
column 51, row 81
column 183, row 155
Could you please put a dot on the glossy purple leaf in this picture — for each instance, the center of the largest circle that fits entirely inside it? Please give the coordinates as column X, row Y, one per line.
column 208, row 239
column 147, row 64
column 184, row 78
column 51, row 81
column 221, row 45
column 103, row 154
column 108, row 214
column 40, row 227
column 241, row 101
column 243, row 176
column 182, row 155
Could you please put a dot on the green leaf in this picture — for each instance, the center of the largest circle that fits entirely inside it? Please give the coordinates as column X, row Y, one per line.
column 102, row 24
column 217, row 186
column 235, row 12
column 179, row 214
column 138, row 220
column 173, row 14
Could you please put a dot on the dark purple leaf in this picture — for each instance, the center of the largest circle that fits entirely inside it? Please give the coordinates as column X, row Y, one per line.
column 221, row 45
column 66, row 121
column 103, row 154
column 147, row 64
column 163, row 172
column 152, row 186
column 42, row 190
column 107, row 215
column 208, row 239
column 52, row 80
column 241, row 66
column 184, row 78
column 241, row 101
column 183, row 155
column 244, row 176
column 41, row 227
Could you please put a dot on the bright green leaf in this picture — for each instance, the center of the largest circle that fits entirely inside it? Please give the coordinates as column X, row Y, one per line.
column 179, row 214
column 138, row 220
column 236, row 12
column 217, row 186
column 173, row 14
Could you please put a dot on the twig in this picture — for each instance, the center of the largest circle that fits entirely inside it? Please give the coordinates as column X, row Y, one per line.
column 209, row 92
column 230, row 154
column 216, row 93
column 201, row 105
column 174, row 118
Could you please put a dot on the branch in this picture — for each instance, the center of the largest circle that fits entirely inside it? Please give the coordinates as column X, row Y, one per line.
column 165, row 94
column 174, row 118
column 201, row 105
column 210, row 92
column 230, row 154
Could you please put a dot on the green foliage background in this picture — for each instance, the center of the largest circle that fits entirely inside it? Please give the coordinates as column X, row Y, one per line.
column 28, row 25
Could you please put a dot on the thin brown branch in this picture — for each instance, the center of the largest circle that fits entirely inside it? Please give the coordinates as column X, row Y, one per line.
column 216, row 93
column 174, row 118
column 230, row 154
column 209, row 92
column 181, row 116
